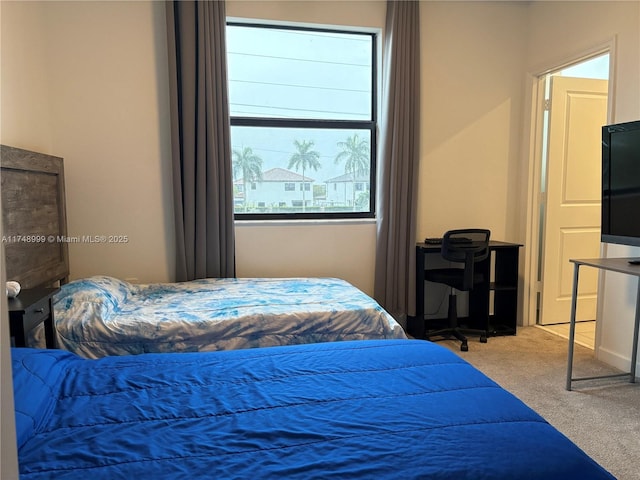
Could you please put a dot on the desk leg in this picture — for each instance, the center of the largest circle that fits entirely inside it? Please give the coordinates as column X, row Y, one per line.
column 419, row 326
column 634, row 353
column 572, row 325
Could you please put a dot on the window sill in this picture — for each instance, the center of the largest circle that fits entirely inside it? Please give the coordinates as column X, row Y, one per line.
column 304, row 222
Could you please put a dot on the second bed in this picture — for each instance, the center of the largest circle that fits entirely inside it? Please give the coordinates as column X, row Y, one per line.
column 101, row 315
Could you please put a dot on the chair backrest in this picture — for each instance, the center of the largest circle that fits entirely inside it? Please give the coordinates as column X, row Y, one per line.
column 468, row 246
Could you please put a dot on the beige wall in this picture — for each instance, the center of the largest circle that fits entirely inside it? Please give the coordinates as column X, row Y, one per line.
column 561, row 31
column 360, row 13
column 471, row 116
column 107, row 74
column 25, row 117
column 87, row 81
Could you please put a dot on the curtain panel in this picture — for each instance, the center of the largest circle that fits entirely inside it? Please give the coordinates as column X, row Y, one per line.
column 200, row 137
column 394, row 286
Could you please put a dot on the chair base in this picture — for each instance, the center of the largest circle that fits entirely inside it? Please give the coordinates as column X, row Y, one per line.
column 453, row 330
column 448, row 333
column 457, row 333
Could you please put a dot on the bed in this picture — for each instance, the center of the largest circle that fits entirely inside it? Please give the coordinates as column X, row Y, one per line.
column 355, row 409
column 102, row 316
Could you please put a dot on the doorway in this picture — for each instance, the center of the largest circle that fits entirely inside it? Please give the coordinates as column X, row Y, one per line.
column 573, row 108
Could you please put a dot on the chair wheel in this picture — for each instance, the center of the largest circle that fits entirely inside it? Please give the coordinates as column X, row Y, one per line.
column 483, row 339
column 464, row 347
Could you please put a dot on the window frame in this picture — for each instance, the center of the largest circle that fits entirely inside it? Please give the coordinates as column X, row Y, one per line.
column 371, row 125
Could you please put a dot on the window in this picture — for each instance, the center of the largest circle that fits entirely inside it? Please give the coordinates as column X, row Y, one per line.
column 303, row 110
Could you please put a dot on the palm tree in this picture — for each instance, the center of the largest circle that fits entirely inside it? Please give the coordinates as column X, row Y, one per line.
column 250, row 165
column 304, row 158
column 355, row 153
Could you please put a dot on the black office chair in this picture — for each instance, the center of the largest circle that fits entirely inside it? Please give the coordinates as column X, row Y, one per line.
column 468, row 247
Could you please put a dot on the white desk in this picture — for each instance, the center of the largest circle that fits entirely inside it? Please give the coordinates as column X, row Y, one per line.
column 620, row 265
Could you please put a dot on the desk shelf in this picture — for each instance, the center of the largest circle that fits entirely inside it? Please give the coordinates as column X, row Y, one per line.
column 495, row 302
column 505, row 289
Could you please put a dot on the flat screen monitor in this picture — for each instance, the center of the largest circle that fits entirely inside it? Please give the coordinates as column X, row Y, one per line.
column 621, row 183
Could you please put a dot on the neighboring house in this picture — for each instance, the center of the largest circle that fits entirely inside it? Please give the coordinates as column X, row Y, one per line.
column 345, row 189
column 278, row 188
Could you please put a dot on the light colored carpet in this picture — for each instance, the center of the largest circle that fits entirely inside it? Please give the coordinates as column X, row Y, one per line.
column 601, row 416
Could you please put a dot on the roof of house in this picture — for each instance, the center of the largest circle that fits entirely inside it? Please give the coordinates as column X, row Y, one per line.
column 281, row 175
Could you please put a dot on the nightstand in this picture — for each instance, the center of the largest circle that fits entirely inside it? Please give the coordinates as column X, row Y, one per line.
column 29, row 309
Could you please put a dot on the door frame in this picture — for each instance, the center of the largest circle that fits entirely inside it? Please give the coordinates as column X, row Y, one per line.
column 534, row 133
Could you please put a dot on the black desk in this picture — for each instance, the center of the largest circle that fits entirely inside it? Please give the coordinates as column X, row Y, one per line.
column 501, row 267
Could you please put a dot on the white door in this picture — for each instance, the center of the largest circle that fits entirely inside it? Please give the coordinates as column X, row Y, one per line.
column 578, row 109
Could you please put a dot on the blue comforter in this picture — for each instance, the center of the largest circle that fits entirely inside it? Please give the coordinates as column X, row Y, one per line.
column 366, row 409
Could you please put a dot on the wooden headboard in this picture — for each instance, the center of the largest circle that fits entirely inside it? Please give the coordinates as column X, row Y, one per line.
column 34, row 219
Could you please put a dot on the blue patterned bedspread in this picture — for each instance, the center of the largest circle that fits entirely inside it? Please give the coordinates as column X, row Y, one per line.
column 102, row 316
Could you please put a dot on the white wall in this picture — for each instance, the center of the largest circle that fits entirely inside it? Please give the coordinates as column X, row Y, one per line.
column 559, row 32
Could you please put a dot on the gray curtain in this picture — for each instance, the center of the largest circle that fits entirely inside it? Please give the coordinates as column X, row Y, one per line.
column 394, row 285
column 200, row 137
